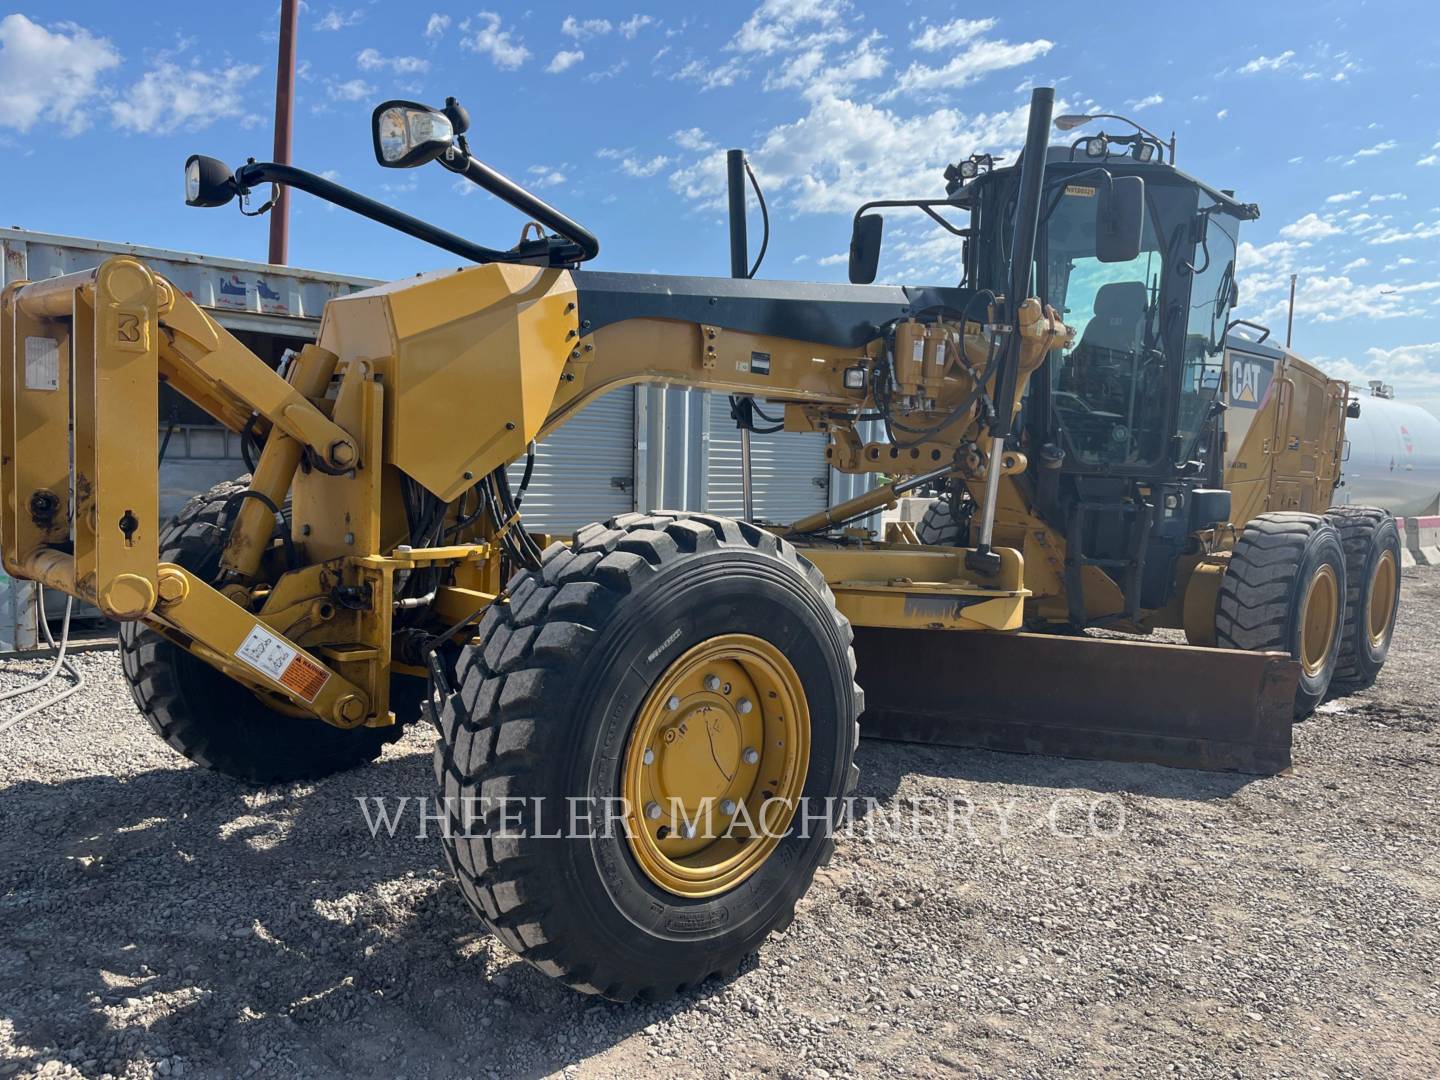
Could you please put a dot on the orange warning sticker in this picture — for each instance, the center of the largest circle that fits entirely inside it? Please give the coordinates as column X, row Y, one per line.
column 305, row 677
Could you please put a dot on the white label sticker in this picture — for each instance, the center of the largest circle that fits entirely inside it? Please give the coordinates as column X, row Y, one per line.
column 265, row 652
column 42, row 363
column 282, row 663
column 918, row 350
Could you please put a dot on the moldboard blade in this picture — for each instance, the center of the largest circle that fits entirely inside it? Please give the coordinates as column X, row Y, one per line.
column 1099, row 698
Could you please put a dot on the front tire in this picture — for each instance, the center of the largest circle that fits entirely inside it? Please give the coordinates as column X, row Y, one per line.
column 206, row 716
column 1372, row 591
column 1283, row 591
column 559, row 698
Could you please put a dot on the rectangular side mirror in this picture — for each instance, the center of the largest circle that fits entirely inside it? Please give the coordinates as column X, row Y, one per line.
column 865, row 248
column 1120, row 219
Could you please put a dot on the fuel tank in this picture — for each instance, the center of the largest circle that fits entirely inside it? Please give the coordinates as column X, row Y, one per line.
column 1394, row 458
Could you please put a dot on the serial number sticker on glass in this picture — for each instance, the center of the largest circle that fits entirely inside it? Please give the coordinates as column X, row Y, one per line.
column 1082, row 190
column 282, row 663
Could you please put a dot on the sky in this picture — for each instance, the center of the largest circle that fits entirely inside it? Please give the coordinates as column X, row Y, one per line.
column 620, row 113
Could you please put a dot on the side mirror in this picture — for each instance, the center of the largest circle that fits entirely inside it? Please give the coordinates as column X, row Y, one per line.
column 408, row 134
column 1120, row 220
column 865, row 248
column 208, row 181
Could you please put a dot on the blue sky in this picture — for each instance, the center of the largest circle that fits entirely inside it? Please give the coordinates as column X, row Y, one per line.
column 620, row 113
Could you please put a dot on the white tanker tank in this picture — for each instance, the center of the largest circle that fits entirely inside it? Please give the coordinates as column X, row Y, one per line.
column 1394, row 457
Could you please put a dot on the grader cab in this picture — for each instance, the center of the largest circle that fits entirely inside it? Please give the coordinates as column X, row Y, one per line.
column 691, row 679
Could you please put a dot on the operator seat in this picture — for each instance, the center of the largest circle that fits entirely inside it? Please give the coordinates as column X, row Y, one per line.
column 1119, row 311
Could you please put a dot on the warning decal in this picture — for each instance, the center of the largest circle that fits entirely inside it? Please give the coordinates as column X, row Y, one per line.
column 282, row 663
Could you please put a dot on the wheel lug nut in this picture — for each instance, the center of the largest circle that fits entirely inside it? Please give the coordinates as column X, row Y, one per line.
column 673, row 703
column 751, row 755
column 652, row 811
column 712, row 683
column 744, row 705
column 649, row 756
column 728, row 807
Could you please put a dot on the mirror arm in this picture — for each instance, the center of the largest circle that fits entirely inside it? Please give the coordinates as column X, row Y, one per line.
column 500, row 185
column 923, row 205
column 254, row 173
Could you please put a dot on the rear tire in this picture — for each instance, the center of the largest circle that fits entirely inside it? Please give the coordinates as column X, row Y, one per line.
column 547, row 699
column 938, row 527
column 205, row 715
column 1372, row 591
column 1283, row 591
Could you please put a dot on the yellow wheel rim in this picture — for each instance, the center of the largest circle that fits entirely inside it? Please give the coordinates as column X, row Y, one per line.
column 1318, row 618
column 715, row 765
column 1383, row 587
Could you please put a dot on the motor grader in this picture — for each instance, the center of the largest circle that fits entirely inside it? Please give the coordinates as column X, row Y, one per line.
column 375, row 567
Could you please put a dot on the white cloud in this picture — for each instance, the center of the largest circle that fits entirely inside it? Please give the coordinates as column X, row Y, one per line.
column 545, row 176
column 1268, row 63
column 435, row 28
column 1394, row 196
column 487, row 39
column 979, row 58
column 710, row 78
column 1372, row 151
column 692, row 139
column 50, row 74
column 564, row 60
column 374, row 60
column 1151, row 100
column 633, row 25
column 817, row 75
column 335, row 19
column 1355, row 264
column 782, row 25
column 581, row 29
column 1309, row 227
column 1419, row 231
column 169, row 97
column 350, row 90
column 1342, row 197
column 841, row 153
column 635, row 167
column 957, row 32
column 833, row 260
column 1429, row 159
column 1222, row 114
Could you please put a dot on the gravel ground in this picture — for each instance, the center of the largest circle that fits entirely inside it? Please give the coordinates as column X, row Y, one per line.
column 156, row 919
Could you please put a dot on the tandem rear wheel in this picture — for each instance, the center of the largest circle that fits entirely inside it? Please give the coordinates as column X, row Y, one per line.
column 689, row 683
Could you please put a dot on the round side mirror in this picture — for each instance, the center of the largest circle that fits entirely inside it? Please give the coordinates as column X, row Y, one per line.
column 408, row 134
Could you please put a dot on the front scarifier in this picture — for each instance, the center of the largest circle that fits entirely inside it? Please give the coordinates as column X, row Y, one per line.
column 655, row 667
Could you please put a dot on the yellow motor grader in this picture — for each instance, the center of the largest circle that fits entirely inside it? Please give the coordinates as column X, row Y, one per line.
column 687, row 680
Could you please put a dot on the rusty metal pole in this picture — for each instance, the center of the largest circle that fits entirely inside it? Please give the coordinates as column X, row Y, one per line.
column 284, row 114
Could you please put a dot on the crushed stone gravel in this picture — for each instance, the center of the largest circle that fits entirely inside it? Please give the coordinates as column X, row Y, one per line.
column 1081, row 919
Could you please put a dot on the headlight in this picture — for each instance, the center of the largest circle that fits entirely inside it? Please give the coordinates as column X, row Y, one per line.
column 208, row 181
column 1097, row 147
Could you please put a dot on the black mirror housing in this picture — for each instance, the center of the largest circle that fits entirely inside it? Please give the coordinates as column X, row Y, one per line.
column 407, row 133
column 1120, row 219
column 208, row 181
column 865, row 248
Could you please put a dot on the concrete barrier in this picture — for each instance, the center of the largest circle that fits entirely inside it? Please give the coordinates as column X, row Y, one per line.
column 1407, row 553
column 1422, row 535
